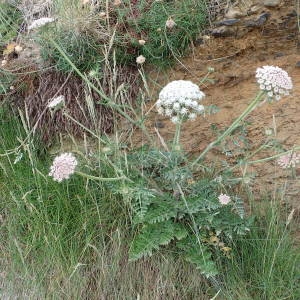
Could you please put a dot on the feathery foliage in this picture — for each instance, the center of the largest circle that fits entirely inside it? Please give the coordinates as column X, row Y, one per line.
column 152, row 236
column 182, row 207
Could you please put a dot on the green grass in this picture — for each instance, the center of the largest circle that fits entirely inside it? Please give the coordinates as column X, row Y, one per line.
column 72, row 238
column 10, row 20
column 87, row 38
column 163, row 46
column 70, row 241
column 265, row 264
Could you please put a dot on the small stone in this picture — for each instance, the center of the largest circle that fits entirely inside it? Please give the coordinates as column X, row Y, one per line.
column 271, row 3
column 263, row 18
column 159, row 124
column 233, row 13
column 278, row 54
column 223, row 31
column 260, row 21
column 3, row 62
column 228, row 22
column 298, row 64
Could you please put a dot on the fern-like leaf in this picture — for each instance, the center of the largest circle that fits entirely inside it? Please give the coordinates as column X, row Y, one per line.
column 199, row 255
column 142, row 198
column 153, row 236
column 160, row 210
column 239, row 207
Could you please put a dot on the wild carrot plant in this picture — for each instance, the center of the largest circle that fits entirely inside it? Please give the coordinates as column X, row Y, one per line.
column 86, row 214
column 170, row 203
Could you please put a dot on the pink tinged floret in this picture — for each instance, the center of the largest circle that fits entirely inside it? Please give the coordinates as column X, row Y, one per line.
column 288, row 160
column 224, row 199
column 63, row 167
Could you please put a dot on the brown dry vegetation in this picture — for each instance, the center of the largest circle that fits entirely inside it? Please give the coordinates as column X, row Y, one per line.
column 35, row 89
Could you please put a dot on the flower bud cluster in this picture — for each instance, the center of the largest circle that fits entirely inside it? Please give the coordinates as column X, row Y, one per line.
column 288, row 160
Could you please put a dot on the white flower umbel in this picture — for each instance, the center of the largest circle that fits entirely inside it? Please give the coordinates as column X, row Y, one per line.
column 57, row 102
column 179, row 101
column 140, row 59
column 40, row 22
column 274, row 81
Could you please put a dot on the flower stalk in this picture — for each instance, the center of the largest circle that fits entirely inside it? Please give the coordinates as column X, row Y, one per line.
column 229, row 130
column 177, row 136
column 99, row 178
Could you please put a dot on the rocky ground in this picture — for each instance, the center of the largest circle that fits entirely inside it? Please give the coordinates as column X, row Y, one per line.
column 252, row 34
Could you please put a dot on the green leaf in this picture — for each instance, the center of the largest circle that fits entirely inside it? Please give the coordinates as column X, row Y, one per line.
column 159, row 211
column 153, row 236
column 142, row 198
column 199, row 255
column 239, row 207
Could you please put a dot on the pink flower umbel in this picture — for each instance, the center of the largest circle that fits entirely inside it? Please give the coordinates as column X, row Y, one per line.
column 274, row 81
column 170, row 23
column 224, row 199
column 63, row 166
column 288, row 160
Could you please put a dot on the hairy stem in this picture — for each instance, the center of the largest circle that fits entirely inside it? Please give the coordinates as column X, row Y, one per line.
column 177, row 135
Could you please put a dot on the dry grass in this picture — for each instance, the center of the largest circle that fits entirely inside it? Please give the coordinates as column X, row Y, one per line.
column 33, row 9
column 36, row 89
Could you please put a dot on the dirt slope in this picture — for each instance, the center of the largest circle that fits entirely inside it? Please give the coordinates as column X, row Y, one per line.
column 235, row 61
